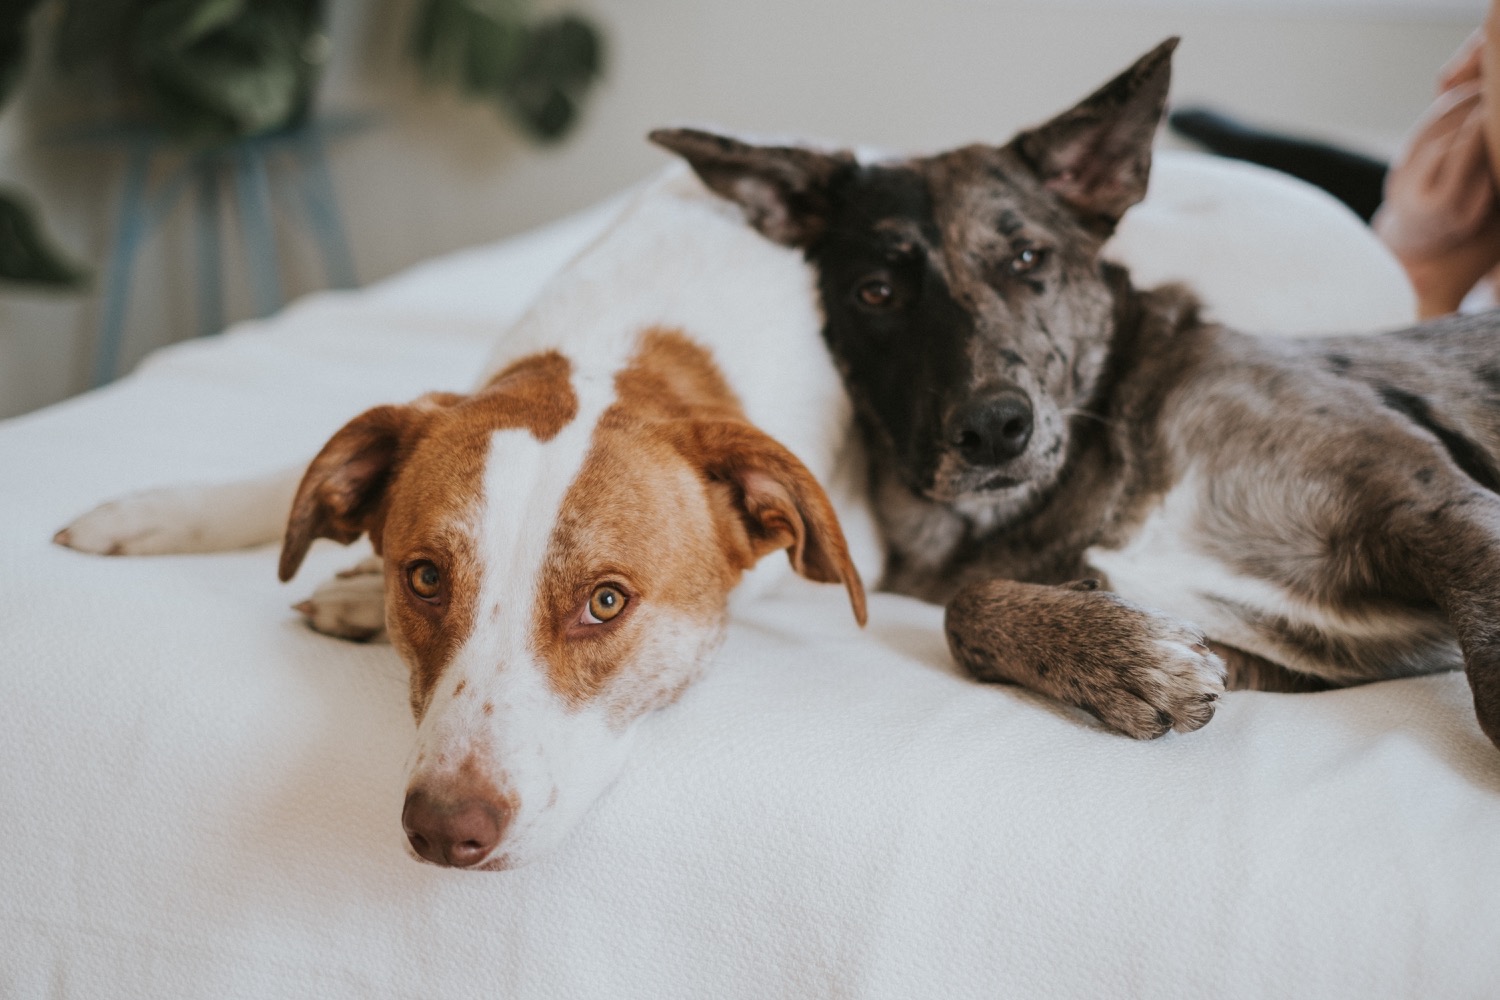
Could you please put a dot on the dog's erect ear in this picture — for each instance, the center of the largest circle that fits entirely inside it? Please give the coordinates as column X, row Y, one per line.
column 784, row 190
column 342, row 495
column 1097, row 156
column 778, row 502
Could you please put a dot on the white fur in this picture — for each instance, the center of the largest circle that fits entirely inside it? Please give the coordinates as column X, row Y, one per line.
column 206, row 517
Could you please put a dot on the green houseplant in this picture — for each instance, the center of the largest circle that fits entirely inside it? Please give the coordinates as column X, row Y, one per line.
column 27, row 257
column 211, row 72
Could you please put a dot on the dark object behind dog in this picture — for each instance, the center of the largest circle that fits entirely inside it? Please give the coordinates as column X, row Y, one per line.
column 1353, row 178
column 1322, row 512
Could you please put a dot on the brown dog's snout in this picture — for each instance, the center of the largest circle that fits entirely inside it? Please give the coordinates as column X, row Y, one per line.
column 458, row 828
column 991, row 429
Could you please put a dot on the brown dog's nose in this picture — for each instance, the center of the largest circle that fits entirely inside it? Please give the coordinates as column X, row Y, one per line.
column 991, row 429
column 459, row 831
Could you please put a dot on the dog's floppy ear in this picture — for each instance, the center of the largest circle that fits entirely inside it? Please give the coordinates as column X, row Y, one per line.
column 342, row 495
column 777, row 501
column 1097, row 156
column 784, row 190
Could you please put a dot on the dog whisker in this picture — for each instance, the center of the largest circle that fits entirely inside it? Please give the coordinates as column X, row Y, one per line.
column 1072, row 412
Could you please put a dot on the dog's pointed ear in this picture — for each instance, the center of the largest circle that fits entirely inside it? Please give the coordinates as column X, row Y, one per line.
column 342, row 494
column 778, row 503
column 1097, row 156
column 786, row 191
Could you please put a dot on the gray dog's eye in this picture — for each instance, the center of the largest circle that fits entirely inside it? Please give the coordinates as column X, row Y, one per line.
column 1027, row 260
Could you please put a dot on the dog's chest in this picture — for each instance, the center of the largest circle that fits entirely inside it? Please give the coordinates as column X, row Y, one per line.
column 1165, row 565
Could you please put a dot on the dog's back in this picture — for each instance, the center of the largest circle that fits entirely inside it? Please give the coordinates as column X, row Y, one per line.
column 680, row 257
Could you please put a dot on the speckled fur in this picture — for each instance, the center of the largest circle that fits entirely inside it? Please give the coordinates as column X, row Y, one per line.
column 1323, row 512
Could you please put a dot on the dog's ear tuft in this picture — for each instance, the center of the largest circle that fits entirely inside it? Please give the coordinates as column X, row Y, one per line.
column 1097, row 156
column 778, row 503
column 784, row 190
column 342, row 495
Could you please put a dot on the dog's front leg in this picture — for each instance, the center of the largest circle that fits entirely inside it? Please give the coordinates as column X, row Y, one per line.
column 351, row 605
column 196, row 517
column 1137, row 670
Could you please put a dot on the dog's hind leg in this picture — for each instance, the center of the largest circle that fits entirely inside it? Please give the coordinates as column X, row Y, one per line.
column 1454, row 548
column 191, row 518
column 1137, row 670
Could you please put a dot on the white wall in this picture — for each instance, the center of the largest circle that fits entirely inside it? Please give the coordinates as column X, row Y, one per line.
column 906, row 75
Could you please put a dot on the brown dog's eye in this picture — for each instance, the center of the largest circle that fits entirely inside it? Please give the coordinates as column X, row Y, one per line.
column 425, row 580
column 1027, row 260
column 606, row 603
column 876, row 293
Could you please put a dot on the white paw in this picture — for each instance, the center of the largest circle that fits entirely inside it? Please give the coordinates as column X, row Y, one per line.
column 351, row 605
column 152, row 522
column 195, row 517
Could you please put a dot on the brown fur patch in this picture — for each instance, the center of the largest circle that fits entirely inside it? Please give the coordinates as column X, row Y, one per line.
column 533, row 393
column 677, row 497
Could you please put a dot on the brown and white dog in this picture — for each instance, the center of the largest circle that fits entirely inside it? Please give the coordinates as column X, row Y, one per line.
column 1325, row 512
column 557, row 549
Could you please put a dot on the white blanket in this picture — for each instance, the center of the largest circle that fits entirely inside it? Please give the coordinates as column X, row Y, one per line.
column 200, row 798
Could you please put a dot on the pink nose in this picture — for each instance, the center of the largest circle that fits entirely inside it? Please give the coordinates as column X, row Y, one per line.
column 458, row 828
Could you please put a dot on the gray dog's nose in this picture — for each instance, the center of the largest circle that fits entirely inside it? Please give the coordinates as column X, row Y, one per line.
column 992, row 429
column 459, row 831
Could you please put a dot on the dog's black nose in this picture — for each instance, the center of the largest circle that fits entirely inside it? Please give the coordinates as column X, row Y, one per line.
column 993, row 429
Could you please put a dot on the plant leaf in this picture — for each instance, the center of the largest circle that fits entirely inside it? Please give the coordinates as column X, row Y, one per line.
column 14, row 16
column 93, row 30
column 26, row 256
column 562, row 59
column 219, row 70
column 485, row 49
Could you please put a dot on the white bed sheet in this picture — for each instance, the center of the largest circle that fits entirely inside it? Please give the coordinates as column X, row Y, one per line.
column 200, row 798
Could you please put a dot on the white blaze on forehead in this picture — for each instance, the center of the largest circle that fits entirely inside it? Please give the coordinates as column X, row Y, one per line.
column 494, row 703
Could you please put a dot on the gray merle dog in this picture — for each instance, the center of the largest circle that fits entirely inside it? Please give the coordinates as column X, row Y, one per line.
column 1124, row 506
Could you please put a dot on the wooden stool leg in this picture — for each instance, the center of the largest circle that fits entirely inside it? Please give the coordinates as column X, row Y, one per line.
column 253, row 187
column 129, row 231
column 210, row 262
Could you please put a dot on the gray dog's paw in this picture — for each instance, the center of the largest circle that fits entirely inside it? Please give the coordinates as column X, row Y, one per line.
column 1138, row 671
column 351, row 605
column 1169, row 679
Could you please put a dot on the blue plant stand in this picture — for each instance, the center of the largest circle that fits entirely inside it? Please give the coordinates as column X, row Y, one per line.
column 244, row 165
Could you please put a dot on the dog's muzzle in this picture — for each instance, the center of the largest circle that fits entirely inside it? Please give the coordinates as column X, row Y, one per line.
column 992, row 429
